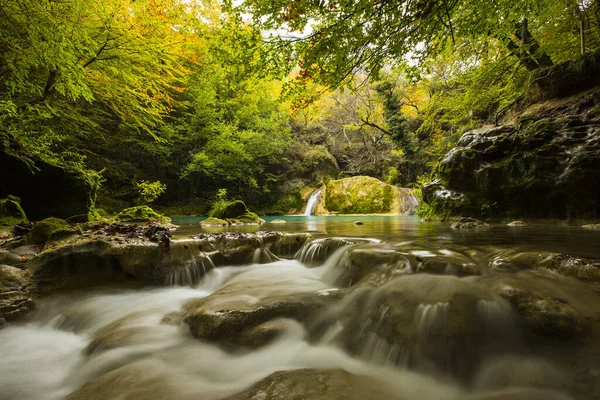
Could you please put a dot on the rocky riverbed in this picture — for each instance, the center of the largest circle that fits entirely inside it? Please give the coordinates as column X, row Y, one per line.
column 128, row 311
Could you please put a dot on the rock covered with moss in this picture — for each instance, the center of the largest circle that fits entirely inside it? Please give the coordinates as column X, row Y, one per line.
column 11, row 212
column 359, row 195
column 50, row 229
column 141, row 214
column 232, row 212
column 545, row 164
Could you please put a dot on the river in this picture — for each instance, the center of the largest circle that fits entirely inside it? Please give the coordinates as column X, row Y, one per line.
column 117, row 337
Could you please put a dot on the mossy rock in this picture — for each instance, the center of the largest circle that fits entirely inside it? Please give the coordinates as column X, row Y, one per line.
column 359, row 195
column 11, row 212
column 49, row 229
column 141, row 214
column 232, row 209
column 249, row 218
column 211, row 221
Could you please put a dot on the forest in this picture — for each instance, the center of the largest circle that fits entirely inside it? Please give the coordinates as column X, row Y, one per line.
column 170, row 101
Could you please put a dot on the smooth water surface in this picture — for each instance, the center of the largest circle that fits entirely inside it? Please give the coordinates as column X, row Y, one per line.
column 538, row 237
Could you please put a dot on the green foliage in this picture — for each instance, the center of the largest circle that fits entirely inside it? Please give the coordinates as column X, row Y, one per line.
column 223, row 208
column 11, row 212
column 149, row 191
column 141, row 214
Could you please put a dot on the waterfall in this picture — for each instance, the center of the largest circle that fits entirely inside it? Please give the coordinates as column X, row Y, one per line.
column 312, row 203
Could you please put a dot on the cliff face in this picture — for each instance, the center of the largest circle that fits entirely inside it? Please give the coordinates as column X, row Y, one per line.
column 544, row 163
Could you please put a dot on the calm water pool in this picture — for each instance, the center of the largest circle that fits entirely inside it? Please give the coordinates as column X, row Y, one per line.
column 542, row 237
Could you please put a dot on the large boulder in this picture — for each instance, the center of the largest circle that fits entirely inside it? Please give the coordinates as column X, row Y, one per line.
column 140, row 380
column 549, row 305
column 423, row 321
column 11, row 212
column 315, row 384
column 359, row 195
column 545, row 168
column 255, row 298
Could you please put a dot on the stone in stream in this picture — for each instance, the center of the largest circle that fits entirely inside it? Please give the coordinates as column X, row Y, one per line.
column 469, row 223
column 236, row 313
column 140, row 380
column 424, row 321
column 563, row 264
column 376, row 263
column 358, row 223
column 517, row 224
column 593, row 227
column 319, row 384
column 548, row 305
column 102, row 260
column 317, row 251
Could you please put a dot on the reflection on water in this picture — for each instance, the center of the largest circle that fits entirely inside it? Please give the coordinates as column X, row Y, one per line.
column 544, row 237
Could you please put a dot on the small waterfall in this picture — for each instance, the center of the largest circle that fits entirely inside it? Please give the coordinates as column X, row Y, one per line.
column 319, row 250
column 190, row 273
column 312, row 203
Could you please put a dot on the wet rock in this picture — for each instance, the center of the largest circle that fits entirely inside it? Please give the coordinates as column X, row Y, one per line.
column 520, row 394
column 519, row 371
column 315, row 384
column 75, row 266
column 140, row 380
column 358, row 223
column 278, row 221
column 424, row 321
column 469, row 223
column 593, row 227
column 316, row 251
column 563, row 264
column 517, row 223
column 263, row 334
column 375, row 263
column 230, row 314
column 285, row 245
column 548, row 305
column 15, row 299
column 133, row 329
column 442, row 201
column 545, row 166
column 175, row 318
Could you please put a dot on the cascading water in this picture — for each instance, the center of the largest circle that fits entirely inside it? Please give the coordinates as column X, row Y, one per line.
column 134, row 343
column 311, row 205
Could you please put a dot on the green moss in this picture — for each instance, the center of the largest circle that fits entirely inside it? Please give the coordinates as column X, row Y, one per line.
column 228, row 209
column 141, row 214
column 49, row 229
column 250, row 218
column 359, row 195
column 211, row 221
column 11, row 212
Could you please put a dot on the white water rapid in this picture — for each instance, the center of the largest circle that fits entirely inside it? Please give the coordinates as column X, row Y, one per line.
column 73, row 339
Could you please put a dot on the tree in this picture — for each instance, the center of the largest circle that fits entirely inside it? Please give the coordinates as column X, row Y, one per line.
column 73, row 69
